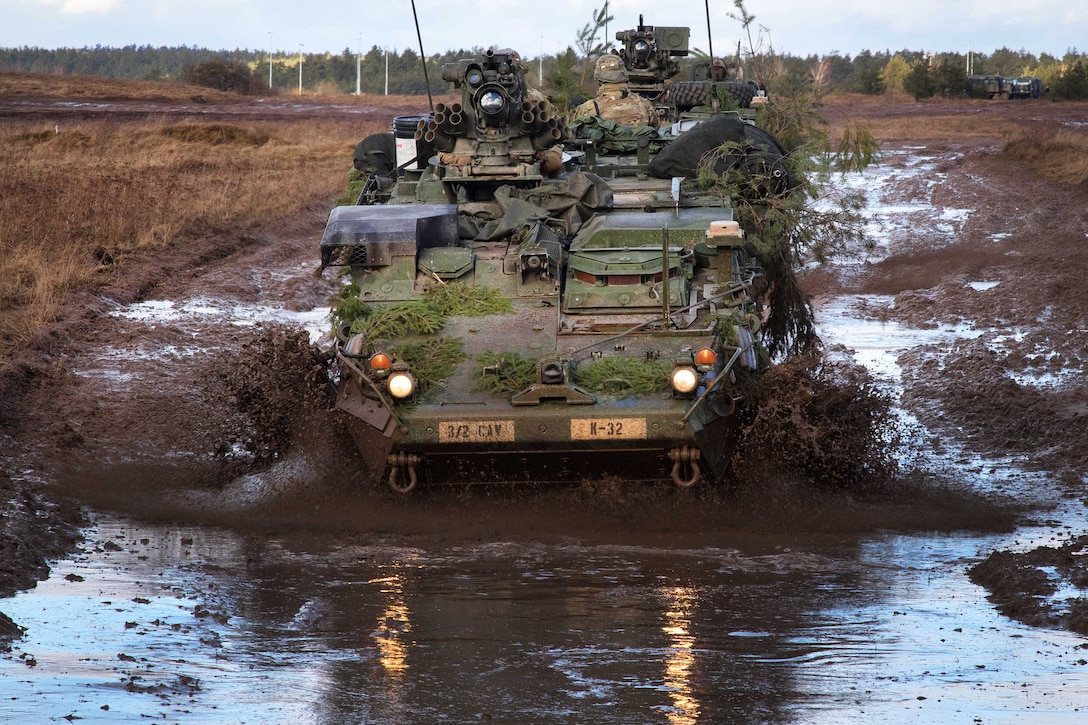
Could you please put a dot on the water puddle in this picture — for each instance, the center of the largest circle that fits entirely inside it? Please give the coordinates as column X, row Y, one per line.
column 153, row 622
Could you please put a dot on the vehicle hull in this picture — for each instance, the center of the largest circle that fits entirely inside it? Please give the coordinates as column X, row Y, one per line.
column 494, row 442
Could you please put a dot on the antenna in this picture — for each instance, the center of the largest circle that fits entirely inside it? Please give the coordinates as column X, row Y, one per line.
column 709, row 35
column 423, row 57
column 714, row 102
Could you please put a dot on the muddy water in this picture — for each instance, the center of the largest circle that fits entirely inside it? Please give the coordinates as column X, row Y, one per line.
column 160, row 623
column 164, row 623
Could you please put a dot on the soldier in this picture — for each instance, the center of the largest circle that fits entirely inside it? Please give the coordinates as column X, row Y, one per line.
column 614, row 100
column 719, row 68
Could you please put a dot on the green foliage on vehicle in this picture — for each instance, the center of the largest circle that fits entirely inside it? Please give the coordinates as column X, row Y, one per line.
column 624, row 375
column 503, row 374
column 431, row 360
column 414, row 317
column 456, row 299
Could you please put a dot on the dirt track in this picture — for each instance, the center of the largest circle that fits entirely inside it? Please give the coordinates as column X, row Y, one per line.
column 175, row 417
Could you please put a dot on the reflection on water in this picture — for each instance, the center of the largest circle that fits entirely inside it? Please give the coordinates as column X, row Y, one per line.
column 156, row 623
column 678, row 663
column 393, row 627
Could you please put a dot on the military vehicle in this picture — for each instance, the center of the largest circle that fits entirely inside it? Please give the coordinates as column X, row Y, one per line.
column 527, row 308
column 988, row 86
column 1026, row 87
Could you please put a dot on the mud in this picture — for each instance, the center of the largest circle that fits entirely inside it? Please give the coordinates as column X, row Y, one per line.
column 1027, row 586
column 186, row 394
column 1003, row 264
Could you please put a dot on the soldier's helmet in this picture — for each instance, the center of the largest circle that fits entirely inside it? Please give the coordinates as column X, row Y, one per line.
column 609, row 69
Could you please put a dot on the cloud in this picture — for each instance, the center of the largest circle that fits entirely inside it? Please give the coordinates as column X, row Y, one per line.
column 83, row 7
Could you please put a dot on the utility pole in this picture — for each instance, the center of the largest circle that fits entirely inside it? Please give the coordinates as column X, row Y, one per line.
column 387, row 70
column 300, row 69
column 269, row 60
column 359, row 68
column 540, row 63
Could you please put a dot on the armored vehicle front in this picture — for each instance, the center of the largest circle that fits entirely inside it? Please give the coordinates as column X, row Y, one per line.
column 522, row 310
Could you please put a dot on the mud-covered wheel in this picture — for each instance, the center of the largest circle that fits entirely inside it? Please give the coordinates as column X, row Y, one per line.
column 688, row 94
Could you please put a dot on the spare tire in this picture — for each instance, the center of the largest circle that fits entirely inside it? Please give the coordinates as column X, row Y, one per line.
column 376, row 154
column 689, row 94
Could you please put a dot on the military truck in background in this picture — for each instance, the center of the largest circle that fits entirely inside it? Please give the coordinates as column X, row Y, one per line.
column 1026, row 87
column 526, row 308
column 994, row 86
column 987, row 86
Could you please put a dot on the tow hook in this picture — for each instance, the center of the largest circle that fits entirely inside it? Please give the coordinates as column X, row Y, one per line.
column 402, row 472
column 685, row 466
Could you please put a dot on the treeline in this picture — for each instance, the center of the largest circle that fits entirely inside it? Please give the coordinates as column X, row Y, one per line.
column 925, row 75
column 224, row 69
column 399, row 71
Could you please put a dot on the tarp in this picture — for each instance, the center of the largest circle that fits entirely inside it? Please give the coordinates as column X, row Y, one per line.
column 569, row 202
column 757, row 152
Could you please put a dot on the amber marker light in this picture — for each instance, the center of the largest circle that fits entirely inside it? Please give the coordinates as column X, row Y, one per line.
column 380, row 363
column 705, row 359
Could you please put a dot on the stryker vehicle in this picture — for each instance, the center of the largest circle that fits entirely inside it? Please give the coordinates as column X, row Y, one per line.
column 521, row 312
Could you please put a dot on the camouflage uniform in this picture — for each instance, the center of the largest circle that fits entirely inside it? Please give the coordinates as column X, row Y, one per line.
column 616, row 103
column 614, row 100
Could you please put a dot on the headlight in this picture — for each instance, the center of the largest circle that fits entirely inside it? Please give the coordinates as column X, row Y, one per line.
column 401, row 384
column 492, row 103
column 684, row 380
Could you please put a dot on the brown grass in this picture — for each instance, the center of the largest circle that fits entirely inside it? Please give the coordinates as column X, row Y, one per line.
column 902, row 119
column 78, row 205
column 83, row 200
column 91, row 87
column 1047, row 137
column 31, row 85
column 1058, row 153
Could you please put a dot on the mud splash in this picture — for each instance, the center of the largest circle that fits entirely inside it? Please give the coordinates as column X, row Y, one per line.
column 823, row 422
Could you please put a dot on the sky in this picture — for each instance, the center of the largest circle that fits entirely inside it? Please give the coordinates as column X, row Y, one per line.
column 794, row 27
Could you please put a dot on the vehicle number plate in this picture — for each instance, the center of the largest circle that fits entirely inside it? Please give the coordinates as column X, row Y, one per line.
column 475, row 431
column 594, row 429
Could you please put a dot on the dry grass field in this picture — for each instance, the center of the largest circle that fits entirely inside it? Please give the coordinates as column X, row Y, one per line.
column 1050, row 138
column 131, row 170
